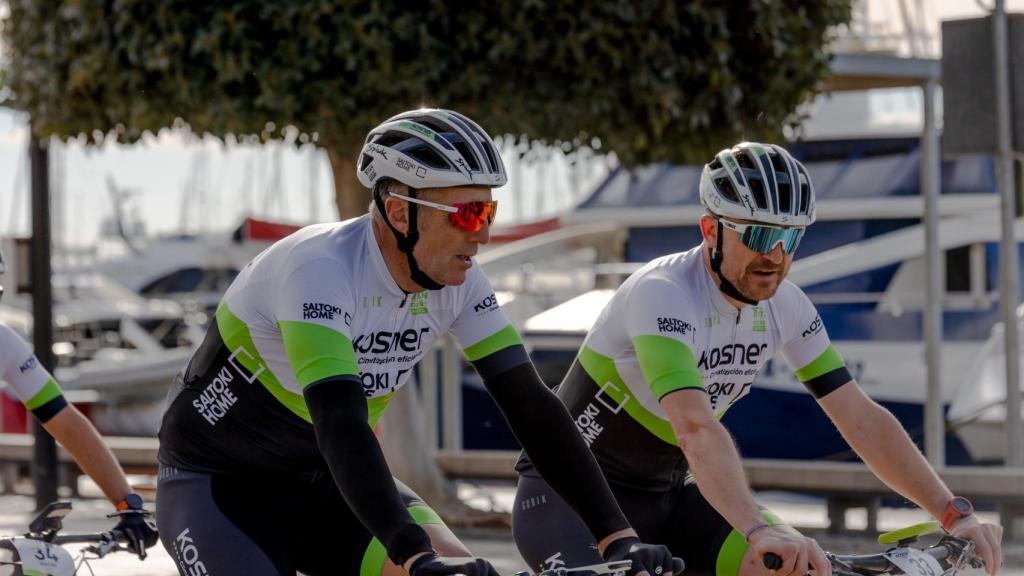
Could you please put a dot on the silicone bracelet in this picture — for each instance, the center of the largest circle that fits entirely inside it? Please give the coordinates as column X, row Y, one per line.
column 750, row 531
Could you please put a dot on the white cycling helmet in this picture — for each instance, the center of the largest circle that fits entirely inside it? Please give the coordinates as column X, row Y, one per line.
column 759, row 182
column 431, row 148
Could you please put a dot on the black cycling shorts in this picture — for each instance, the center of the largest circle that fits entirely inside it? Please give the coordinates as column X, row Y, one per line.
column 550, row 535
column 267, row 525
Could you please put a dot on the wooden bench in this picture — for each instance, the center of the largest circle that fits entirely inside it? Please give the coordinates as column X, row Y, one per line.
column 845, row 485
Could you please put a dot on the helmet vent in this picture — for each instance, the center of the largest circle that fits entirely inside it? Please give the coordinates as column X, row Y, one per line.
column 745, row 160
column 468, row 154
column 492, row 162
column 805, row 197
column 757, row 190
column 725, row 186
column 390, row 139
column 429, row 157
column 785, row 194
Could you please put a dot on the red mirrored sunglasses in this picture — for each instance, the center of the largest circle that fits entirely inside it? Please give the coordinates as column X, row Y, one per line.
column 468, row 216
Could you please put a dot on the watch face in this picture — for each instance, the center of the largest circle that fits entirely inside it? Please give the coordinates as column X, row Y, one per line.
column 962, row 505
column 134, row 501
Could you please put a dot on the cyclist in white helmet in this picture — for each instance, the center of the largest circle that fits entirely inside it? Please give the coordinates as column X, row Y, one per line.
column 39, row 392
column 269, row 464
column 678, row 344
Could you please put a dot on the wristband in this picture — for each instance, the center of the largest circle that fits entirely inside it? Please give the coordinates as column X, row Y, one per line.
column 750, row 531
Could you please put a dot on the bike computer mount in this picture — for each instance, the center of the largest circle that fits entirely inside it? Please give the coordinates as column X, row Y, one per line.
column 50, row 520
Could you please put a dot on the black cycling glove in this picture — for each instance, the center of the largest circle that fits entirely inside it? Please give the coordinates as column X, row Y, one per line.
column 654, row 559
column 433, row 565
column 139, row 528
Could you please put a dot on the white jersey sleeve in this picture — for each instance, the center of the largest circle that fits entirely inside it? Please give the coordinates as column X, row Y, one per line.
column 317, row 292
column 23, row 373
column 807, row 348
column 479, row 317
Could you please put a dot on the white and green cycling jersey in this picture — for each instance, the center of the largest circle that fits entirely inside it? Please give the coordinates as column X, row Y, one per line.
column 318, row 304
column 668, row 328
column 26, row 377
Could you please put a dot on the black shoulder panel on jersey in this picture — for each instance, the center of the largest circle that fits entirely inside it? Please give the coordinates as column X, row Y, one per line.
column 337, row 406
column 507, row 358
column 50, row 409
column 821, row 386
column 547, row 433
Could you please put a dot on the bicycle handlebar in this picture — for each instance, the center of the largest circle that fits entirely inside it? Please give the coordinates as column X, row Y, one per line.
column 863, row 564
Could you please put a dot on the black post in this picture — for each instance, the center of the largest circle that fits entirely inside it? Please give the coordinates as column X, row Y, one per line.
column 44, row 454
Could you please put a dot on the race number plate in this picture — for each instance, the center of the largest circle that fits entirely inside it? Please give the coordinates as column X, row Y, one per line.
column 42, row 558
column 914, row 562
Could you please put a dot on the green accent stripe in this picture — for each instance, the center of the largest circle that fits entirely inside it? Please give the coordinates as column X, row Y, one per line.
column 667, row 364
column 503, row 338
column 730, row 555
column 48, row 392
column 375, row 555
column 376, row 406
column 317, row 352
column 828, row 361
column 601, row 370
column 236, row 337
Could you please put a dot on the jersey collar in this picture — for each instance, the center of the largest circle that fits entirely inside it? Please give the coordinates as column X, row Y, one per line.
column 377, row 257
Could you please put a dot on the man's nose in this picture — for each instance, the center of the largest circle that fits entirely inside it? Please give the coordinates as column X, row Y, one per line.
column 483, row 235
column 776, row 254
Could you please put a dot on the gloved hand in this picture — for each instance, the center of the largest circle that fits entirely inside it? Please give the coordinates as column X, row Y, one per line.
column 139, row 527
column 654, row 559
column 431, row 564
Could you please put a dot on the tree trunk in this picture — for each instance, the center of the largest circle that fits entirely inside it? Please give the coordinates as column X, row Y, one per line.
column 350, row 196
column 401, row 430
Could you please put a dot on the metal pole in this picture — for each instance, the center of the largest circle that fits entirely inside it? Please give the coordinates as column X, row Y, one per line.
column 451, row 390
column 44, row 453
column 1008, row 246
column 931, row 177
column 429, row 393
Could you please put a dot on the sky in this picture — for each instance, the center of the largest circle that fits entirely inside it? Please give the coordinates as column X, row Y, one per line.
column 178, row 183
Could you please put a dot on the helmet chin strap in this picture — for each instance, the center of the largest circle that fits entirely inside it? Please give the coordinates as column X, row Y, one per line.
column 724, row 285
column 406, row 242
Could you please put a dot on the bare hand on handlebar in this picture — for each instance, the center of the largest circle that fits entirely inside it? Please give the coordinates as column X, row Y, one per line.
column 798, row 553
column 986, row 538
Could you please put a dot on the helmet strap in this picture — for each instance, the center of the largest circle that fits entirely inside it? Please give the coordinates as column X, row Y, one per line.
column 406, row 242
column 724, row 285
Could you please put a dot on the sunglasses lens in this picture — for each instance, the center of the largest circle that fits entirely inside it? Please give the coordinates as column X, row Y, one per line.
column 472, row 215
column 763, row 239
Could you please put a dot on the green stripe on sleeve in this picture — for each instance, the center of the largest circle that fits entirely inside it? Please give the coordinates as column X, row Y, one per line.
column 828, row 361
column 48, row 392
column 503, row 338
column 236, row 337
column 601, row 370
column 375, row 555
column 730, row 555
column 317, row 352
column 667, row 364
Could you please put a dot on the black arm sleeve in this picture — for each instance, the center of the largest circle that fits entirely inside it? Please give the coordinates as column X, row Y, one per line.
column 337, row 407
column 547, row 433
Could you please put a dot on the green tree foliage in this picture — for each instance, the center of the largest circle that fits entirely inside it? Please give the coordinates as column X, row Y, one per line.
column 650, row 80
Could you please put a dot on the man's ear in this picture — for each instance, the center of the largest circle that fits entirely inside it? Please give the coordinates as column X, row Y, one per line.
column 398, row 213
column 708, row 228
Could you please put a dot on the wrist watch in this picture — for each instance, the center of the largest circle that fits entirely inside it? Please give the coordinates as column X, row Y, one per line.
column 958, row 507
column 131, row 501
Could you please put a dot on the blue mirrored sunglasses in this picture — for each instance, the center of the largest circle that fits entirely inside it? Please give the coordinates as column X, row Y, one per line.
column 763, row 239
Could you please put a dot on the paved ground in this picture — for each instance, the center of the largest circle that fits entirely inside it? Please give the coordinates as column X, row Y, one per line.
column 805, row 512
